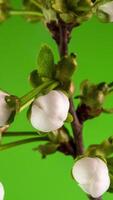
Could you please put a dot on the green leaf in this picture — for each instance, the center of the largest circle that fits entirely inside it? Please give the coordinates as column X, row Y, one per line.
column 47, row 149
column 45, row 62
column 66, row 68
column 34, row 78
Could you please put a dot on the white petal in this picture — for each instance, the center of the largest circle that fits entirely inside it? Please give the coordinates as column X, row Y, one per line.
column 102, row 170
column 49, row 112
column 5, row 111
column 98, row 188
column 92, row 175
column 108, row 9
column 1, row 192
column 84, row 169
column 41, row 121
column 55, row 104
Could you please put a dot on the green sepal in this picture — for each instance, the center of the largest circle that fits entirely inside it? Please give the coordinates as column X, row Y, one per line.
column 13, row 102
column 47, row 149
column 45, row 62
column 102, row 16
column 93, row 95
column 110, row 167
column 11, row 118
column 59, row 136
column 84, row 5
column 69, row 118
column 68, row 17
column 103, row 150
column 29, row 112
column 59, row 6
column 66, row 68
column 34, row 78
column 110, row 190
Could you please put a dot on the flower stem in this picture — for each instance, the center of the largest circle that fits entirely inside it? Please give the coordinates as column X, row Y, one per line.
column 39, row 5
column 20, row 142
column 25, row 13
column 21, row 133
column 29, row 97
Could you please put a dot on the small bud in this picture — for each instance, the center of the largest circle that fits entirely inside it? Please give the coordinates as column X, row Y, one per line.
column 4, row 10
column 92, row 175
column 105, row 12
column 5, row 110
column 49, row 112
column 1, row 192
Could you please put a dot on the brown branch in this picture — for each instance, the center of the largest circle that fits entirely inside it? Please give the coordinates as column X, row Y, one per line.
column 77, row 130
column 61, row 34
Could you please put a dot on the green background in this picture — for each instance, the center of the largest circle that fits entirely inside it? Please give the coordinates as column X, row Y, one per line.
column 24, row 174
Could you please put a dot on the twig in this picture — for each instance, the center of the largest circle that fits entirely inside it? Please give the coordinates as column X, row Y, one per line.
column 20, row 142
column 77, row 130
column 21, row 133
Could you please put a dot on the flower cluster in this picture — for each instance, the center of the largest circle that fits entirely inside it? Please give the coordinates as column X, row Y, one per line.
column 48, row 112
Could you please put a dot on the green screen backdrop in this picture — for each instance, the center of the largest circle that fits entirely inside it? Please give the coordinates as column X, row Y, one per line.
column 25, row 175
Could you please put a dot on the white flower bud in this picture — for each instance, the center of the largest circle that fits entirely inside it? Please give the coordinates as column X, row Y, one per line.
column 92, row 176
column 1, row 192
column 49, row 112
column 5, row 110
column 107, row 8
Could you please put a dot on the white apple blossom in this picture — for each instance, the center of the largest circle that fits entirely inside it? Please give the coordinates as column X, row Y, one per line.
column 48, row 112
column 5, row 110
column 92, row 175
column 107, row 8
column 1, row 191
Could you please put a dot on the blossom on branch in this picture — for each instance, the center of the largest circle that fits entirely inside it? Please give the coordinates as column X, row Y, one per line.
column 48, row 112
column 92, row 175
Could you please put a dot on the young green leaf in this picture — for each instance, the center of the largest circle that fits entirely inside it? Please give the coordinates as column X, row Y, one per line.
column 47, row 149
column 34, row 78
column 45, row 62
column 66, row 67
